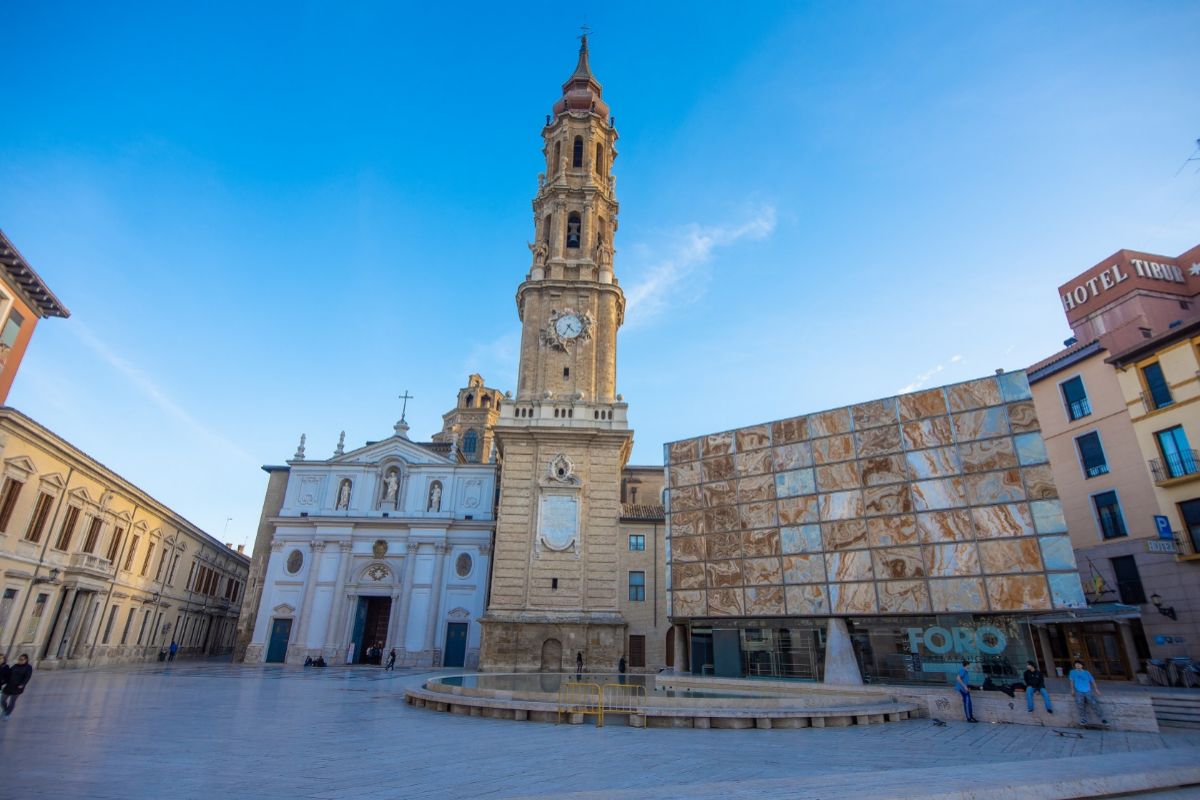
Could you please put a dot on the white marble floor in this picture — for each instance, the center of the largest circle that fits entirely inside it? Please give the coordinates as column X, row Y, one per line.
column 215, row 730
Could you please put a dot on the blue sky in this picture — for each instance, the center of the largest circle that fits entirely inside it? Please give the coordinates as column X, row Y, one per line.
column 272, row 219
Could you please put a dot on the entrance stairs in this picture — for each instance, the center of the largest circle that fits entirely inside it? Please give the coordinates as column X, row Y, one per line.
column 1177, row 710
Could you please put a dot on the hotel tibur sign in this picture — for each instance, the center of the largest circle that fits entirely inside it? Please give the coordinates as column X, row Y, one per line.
column 1121, row 274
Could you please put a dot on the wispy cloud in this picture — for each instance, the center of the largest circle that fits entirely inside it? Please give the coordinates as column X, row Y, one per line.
column 154, row 393
column 497, row 358
column 687, row 250
column 928, row 375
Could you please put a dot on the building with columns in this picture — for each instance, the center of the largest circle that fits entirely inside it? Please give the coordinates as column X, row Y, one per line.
column 384, row 546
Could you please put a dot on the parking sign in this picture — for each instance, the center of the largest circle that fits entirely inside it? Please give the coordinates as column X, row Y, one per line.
column 1164, row 526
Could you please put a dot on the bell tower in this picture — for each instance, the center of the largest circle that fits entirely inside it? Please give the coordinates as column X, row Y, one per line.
column 564, row 439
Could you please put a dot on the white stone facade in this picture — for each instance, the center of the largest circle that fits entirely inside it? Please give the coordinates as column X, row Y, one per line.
column 389, row 544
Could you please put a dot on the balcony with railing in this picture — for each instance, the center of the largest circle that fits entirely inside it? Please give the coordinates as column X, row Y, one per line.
column 1079, row 409
column 87, row 562
column 1183, row 464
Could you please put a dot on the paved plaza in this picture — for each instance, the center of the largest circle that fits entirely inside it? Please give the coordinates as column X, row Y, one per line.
column 203, row 730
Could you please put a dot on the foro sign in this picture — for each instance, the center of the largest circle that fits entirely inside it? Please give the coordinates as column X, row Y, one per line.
column 936, row 639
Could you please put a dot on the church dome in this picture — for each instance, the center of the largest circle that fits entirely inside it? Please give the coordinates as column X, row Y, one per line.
column 582, row 91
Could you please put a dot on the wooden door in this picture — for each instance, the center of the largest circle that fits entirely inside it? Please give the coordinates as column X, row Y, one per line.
column 281, row 629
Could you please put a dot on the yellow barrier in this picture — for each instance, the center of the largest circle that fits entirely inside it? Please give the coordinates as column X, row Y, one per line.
column 623, row 697
column 581, row 698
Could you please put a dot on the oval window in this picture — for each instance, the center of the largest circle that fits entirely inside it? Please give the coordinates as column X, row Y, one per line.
column 294, row 562
column 463, row 564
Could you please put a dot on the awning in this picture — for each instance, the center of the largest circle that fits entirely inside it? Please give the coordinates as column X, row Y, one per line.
column 1100, row 612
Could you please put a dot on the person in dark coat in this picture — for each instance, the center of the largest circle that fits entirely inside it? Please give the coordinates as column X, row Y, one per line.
column 5, row 671
column 14, row 686
column 621, row 668
column 578, row 665
column 173, row 650
column 391, row 662
column 1035, row 682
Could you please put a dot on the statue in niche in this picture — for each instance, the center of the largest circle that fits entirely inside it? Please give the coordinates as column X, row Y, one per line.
column 391, row 485
column 604, row 253
column 435, row 496
column 540, row 251
column 343, row 498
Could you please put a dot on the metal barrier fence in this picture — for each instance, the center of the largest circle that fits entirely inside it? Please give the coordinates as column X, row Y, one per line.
column 581, row 698
column 623, row 697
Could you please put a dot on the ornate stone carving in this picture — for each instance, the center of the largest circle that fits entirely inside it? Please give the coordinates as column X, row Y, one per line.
column 550, row 335
column 560, row 470
column 310, row 486
column 540, row 251
column 459, row 613
column 463, row 565
column 299, row 456
column 472, row 493
column 379, row 549
column 377, row 572
column 295, row 561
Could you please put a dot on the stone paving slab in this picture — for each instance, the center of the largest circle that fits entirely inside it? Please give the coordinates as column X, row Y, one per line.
column 208, row 730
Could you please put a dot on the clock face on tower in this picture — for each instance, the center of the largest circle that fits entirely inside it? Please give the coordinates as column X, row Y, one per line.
column 568, row 326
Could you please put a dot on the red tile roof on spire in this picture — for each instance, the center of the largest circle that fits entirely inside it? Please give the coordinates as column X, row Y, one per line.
column 582, row 91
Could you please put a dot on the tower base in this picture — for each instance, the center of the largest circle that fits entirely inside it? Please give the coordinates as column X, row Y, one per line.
column 525, row 642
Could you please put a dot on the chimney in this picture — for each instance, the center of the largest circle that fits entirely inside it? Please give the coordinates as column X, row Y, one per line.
column 242, row 549
column 229, row 545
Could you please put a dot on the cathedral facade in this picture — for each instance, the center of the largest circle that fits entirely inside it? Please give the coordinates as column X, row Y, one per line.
column 564, row 439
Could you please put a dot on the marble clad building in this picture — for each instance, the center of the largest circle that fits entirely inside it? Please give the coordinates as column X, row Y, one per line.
column 388, row 544
column 926, row 526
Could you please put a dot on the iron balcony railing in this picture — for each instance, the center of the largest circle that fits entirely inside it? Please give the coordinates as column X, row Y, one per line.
column 1079, row 408
column 1176, row 465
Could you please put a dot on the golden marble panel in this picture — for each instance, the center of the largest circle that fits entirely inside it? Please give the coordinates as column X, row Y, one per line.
column 792, row 456
column 898, row 562
column 987, row 455
column 983, row 424
column 833, row 448
column 721, row 493
column 724, row 573
column 945, row 526
column 940, row 462
column 918, row 405
column 688, row 604
column 881, row 500
column 853, row 598
column 716, row 444
column 688, row 576
column 758, row 515
column 725, row 602
column 762, row 571
column 757, row 488
column 931, row 432
column 874, row 413
column 1022, row 417
column 878, row 441
column 722, row 546
column 849, row 565
column 687, row 523
column 997, row 522
column 851, row 533
column 764, row 542
column 883, row 470
column 804, row 569
column 755, row 462
column 1039, row 482
column 686, row 498
column 797, row 510
column 1018, row 593
column 809, row 600
column 974, row 394
column 764, row 601
column 828, row 423
column 887, row 531
column 903, row 597
column 938, row 494
column 951, row 560
column 841, row 505
column 717, row 469
column 753, row 438
column 687, row 474
column 789, row 430
column 957, row 594
column 722, row 518
column 687, row 450
column 687, row 548
column 838, row 477
column 1011, row 555
column 995, row 487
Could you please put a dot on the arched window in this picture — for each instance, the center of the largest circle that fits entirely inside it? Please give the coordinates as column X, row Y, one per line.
column 470, row 400
column 557, row 158
column 546, row 228
column 470, row 443
column 577, row 154
column 487, row 401
column 574, row 229
column 599, row 165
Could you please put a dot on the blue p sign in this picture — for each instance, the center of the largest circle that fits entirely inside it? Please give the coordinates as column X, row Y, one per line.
column 1164, row 526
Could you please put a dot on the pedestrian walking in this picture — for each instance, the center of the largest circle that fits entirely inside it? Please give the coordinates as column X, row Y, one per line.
column 621, row 669
column 1035, row 682
column 964, row 689
column 5, row 671
column 14, row 685
column 391, row 664
column 1086, row 692
column 173, row 650
column 578, row 666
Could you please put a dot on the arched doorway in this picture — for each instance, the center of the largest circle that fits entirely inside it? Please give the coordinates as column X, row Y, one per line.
column 551, row 656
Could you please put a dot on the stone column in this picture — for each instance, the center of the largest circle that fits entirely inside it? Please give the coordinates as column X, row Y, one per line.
column 60, row 624
column 310, row 588
column 681, row 651
column 435, row 597
column 410, row 562
column 840, row 664
column 1127, row 645
column 333, row 629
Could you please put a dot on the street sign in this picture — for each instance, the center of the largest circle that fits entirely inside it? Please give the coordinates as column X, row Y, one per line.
column 1161, row 546
column 1163, row 524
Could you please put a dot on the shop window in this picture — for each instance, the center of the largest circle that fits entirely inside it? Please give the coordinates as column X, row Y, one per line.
column 1108, row 512
column 637, row 586
column 1178, row 458
column 1091, row 455
column 1156, row 385
column 1075, row 398
column 1129, row 580
column 637, row 541
column 8, row 501
column 37, row 523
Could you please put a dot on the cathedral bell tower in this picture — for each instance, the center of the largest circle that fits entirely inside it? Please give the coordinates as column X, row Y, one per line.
column 563, row 440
